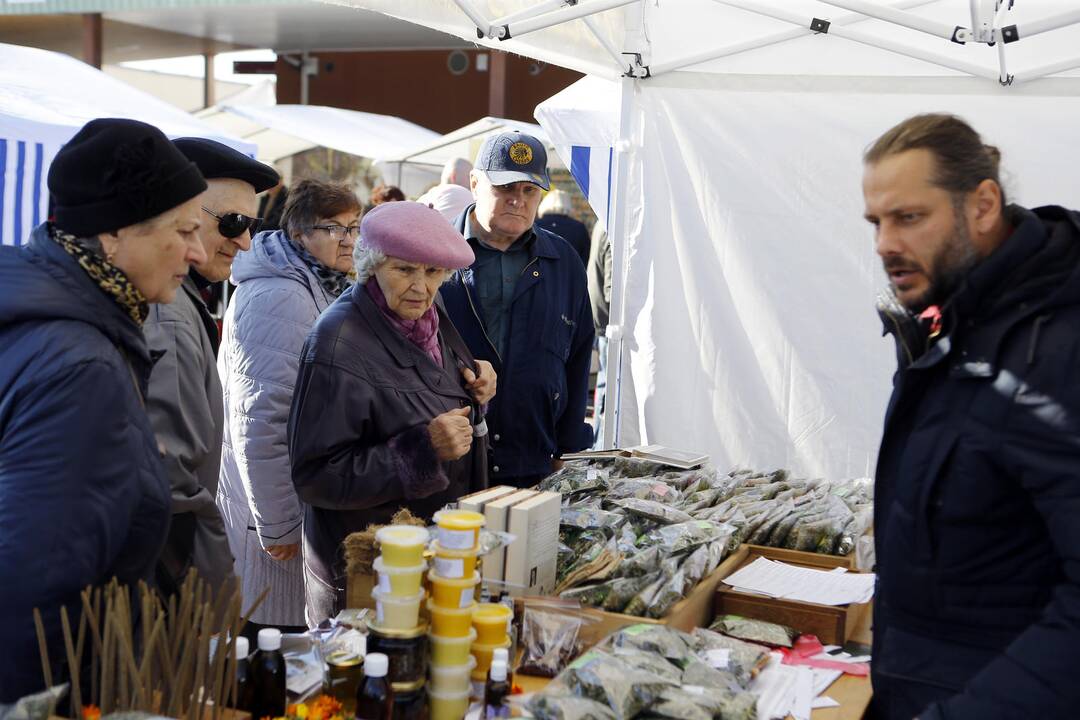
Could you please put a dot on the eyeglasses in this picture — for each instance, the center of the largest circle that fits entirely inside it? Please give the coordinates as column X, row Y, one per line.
column 339, row 232
column 233, row 225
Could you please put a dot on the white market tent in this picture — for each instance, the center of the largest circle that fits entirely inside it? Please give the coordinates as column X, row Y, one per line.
column 417, row 168
column 45, row 97
column 284, row 130
column 728, row 136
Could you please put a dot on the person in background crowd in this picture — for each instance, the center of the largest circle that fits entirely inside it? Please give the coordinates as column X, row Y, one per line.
column 283, row 283
column 523, row 306
column 554, row 216
column 387, row 395
column 977, row 499
column 386, row 193
column 599, row 272
column 271, row 205
column 83, row 496
column 184, row 401
column 453, row 194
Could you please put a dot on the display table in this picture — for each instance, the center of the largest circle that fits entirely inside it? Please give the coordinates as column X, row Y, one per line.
column 853, row 693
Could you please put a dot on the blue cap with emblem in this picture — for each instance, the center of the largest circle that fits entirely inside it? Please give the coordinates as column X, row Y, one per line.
column 512, row 157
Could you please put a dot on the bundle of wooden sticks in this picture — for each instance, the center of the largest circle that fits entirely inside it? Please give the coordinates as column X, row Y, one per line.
column 158, row 660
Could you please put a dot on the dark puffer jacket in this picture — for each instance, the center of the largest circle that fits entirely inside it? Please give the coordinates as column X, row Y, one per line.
column 978, row 494
column 358, row 435
column 83, row 496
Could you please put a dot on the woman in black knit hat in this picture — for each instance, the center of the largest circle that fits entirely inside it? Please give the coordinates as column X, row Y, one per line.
column 83, row 496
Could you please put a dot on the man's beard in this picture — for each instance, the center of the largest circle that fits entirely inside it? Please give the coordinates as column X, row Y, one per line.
column 947, row 268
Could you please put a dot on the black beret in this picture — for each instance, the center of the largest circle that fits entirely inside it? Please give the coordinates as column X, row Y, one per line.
column 216, row 160
column 115, row 173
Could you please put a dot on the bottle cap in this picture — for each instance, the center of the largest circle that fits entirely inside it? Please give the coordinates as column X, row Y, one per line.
column 269, row 639
column 376, row 665
column 501, row 654
column 498, row 671
column 243, row 648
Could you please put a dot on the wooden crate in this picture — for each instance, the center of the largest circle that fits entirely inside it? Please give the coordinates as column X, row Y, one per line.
column 833, row 625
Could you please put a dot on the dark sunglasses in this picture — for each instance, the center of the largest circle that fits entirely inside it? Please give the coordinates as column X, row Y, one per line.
column 233, row 225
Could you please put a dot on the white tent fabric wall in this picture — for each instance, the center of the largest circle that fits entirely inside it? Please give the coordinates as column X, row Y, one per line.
column 45, row 97
column 749, row 274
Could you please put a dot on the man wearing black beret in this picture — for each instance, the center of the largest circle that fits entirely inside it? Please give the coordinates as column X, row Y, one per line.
column 185, row 398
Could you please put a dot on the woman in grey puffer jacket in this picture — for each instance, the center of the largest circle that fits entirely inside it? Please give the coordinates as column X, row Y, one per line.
column 284, row 282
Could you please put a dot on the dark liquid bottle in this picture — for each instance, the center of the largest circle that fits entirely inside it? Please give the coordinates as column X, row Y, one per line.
column 496, row 690
column 268, row 677
column 375, row 698
column 244, row 690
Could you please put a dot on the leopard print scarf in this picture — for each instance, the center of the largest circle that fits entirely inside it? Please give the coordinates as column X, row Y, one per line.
column 112, row 281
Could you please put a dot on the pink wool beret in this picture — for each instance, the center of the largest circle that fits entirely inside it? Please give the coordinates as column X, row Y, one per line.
column 415, row 233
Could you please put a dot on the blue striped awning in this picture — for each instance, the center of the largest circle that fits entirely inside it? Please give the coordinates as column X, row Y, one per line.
column 24, row 195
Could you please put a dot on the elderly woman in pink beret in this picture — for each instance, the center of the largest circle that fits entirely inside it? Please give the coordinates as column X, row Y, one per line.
column 388, row 406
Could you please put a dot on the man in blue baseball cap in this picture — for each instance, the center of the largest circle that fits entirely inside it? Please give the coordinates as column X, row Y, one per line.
column 523, row 306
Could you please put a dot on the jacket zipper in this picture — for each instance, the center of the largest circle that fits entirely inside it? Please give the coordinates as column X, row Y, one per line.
column 481, row 322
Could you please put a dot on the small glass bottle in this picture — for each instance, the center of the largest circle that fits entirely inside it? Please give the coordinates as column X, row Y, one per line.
column 375, row 698
column 495, row 691
column 244, row 690
column 268, row 676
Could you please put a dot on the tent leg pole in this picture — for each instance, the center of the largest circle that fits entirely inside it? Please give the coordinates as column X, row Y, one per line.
column 618, row 226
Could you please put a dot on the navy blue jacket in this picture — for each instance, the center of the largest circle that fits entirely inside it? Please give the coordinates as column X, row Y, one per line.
column 539, row 410
column 83, row 496
column 977, row 527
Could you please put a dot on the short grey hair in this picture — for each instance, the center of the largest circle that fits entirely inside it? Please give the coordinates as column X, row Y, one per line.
column 366, row 260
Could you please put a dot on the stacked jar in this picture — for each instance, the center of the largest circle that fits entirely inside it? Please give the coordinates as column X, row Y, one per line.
column 454, row 580
column 491, row 624
column 398, row 631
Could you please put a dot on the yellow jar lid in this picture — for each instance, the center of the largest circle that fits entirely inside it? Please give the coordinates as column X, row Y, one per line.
column 459, row 519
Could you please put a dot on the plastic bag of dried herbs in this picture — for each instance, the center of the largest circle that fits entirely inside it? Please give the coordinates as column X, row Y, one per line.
column 551, row 706
column 623, row 590
column 657, row 512
column 602, row 677
column 681, row 537
column 650, row 663
column 699, row 672
column 757, row 631
column 670, row 593
column 549, row 641
column 742, row 659
column 589, row 517
column 643, row 562
column 661, row 640
column 640, row 604
column 643, row 489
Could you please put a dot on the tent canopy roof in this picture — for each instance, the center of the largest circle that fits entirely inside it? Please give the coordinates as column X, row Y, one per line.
column 46, row 97
column 284, row 130
column 755, row 36
column 464, row 142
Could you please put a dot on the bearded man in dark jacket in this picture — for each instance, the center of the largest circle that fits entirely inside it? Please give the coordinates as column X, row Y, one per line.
column 977, row 523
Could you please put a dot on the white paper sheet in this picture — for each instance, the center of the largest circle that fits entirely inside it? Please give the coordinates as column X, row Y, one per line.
column 790, row 582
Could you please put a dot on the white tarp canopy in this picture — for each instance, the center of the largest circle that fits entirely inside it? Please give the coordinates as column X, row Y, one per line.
column 45, row 97
column 745, row 276
column 417, row 168
column 284, row 130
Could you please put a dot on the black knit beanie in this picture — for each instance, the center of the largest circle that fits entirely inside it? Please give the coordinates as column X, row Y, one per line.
column 115, row 173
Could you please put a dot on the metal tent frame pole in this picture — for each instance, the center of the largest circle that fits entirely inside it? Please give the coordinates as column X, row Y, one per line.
column 618, row 231
column 784, row 36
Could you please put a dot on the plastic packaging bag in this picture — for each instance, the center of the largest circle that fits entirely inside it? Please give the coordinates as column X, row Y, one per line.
column 657, row 512
column 757, row 631
column 743, row 659
column 606, row 679
column 550, row 706
column 681, row 537
column 549, row 641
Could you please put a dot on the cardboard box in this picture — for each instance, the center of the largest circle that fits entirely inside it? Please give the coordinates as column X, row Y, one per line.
column 478, row 501
column 497, row 513
column 529, row 567
column 833, row 624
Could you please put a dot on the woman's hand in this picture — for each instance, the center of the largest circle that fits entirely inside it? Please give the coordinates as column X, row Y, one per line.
column 281, row 553
column 451, row 434
column 481, row 387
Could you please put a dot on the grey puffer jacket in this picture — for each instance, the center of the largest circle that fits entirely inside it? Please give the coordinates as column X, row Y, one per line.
column 277, row 301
